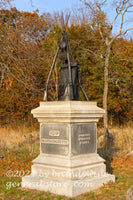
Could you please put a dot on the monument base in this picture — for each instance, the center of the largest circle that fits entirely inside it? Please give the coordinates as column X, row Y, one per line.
column 68, row 163
column 69, row 177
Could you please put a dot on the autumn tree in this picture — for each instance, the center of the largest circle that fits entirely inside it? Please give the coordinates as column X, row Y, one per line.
column 28, row 46
column 120, row 97
column 22, row 72
column 105, row 28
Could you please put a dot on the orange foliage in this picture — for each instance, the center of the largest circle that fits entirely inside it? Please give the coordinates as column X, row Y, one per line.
column 28, row 46
column 122, row 162
column 14, row 164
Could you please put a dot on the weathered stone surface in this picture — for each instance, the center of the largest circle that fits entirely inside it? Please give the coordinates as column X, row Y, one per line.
column 67, row 188
column 67, row 112
column 68, row 163
column 129, row 193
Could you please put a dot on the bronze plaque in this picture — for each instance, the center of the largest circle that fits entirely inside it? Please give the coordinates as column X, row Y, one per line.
column 83, row 138
column 54, row 139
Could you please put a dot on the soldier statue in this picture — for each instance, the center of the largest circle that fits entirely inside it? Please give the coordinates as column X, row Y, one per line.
column 69, row 81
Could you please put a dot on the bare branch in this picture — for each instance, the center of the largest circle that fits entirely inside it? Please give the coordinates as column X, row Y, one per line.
column 129, row 29
column 115, row 18
column 121, row 34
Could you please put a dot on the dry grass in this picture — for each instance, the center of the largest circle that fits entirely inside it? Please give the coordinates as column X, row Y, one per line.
column 13, row 137
column 122, row 138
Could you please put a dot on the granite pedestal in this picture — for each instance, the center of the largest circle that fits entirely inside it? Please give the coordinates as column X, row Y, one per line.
column 68, row 163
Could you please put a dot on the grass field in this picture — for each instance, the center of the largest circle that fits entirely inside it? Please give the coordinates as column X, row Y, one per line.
column 20, row 146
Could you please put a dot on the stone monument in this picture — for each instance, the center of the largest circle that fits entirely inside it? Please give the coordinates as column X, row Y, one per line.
column 68, row 163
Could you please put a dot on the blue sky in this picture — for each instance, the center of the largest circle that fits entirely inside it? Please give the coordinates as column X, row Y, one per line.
column 45, row 5
column 62, row 5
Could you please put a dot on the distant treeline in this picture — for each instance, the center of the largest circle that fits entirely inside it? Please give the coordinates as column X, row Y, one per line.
column 28, row 43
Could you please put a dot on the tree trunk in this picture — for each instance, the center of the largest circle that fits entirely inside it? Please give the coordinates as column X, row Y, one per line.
column 105, row 94
column 2, row 72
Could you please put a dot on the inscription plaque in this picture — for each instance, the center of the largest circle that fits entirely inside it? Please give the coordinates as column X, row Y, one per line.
column 83, row 138
column 54, row 139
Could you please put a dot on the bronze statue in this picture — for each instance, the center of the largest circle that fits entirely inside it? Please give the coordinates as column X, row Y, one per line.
column 69, row 81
